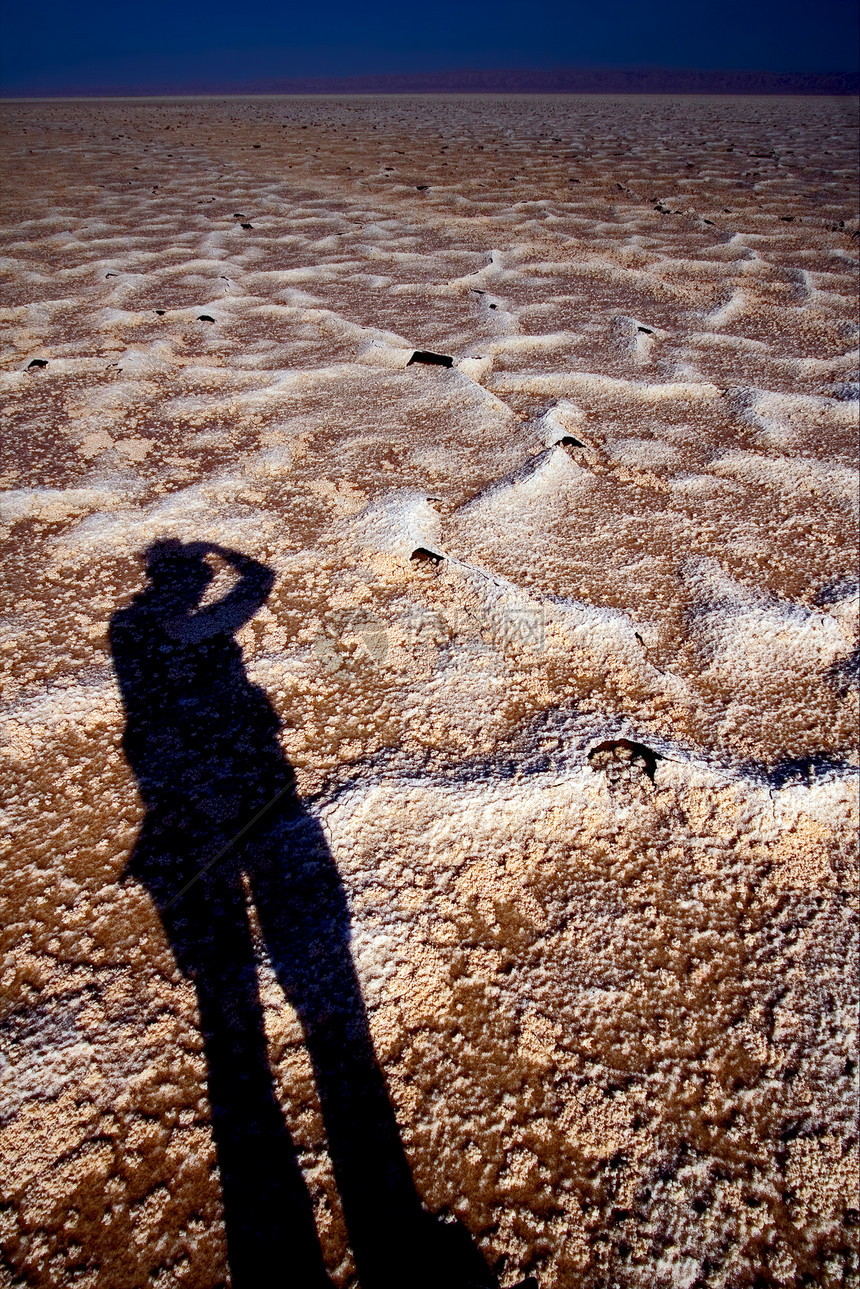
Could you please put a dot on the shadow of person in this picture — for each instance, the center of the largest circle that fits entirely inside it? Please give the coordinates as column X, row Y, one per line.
column 202, row 742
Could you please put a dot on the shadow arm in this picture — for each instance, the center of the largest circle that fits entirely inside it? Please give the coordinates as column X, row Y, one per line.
column 229, row 615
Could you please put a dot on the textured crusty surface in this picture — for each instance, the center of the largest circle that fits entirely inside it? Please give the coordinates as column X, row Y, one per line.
column 611, row 995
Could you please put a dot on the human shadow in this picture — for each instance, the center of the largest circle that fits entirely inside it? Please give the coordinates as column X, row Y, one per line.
column 223, row 827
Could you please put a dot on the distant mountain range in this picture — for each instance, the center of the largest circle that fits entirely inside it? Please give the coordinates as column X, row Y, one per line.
column 642, row 80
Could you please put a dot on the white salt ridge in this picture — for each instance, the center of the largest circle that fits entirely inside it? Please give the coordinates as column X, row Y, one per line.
column 787, row 421
column 398, row 524
column 732, row 311
column 89, row 701
column 803, row 475
column 747, row 634
column 636, row 339
column 406, row 521
column 190, row 514
column 56, row 504
column 590, row 387
column 460, row 819
column 701, row 484
column 43, row 1065
column 549, row 478
column 564, row 420
column 512, row 615
column 477, row 367
column 380, row 353
column 526, row 345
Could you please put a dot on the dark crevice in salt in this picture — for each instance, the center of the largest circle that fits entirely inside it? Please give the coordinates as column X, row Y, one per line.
column 37, row 362
column 568, row 441
column 615, row 755
column 205, row 317
column 433, row 360
column 421, row 555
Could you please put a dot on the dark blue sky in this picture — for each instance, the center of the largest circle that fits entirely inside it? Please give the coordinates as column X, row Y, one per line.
column 79, row 43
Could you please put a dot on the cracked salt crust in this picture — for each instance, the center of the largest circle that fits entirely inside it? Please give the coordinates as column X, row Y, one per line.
column 612, row 1010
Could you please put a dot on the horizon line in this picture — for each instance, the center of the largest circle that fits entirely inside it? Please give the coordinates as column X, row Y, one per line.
column 560, row 80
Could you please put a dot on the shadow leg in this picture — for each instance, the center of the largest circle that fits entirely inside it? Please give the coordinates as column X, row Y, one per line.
column 269, row 1221
column 303, row 912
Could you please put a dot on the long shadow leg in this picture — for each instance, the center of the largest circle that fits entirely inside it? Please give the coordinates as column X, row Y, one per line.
column 271, row 1237
column 304, row 916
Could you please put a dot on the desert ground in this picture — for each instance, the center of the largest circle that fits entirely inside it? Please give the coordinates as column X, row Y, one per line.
column 546, row 649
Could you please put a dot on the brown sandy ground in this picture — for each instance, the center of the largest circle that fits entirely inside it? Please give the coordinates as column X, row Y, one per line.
column 612, row 998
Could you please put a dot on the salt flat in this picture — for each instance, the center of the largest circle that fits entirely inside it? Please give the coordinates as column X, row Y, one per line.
column 561, row 641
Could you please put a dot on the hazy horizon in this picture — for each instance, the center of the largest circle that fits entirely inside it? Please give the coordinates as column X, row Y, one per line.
column 562, row 80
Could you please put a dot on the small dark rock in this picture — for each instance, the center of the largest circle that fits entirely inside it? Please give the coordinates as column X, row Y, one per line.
column 427, row 356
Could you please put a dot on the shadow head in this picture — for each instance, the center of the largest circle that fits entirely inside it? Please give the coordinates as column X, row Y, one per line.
column 178, row 573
